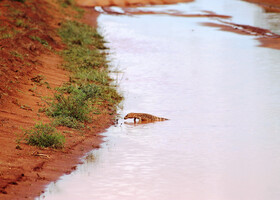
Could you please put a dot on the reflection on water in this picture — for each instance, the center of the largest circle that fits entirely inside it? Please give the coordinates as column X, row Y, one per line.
column 221, row 93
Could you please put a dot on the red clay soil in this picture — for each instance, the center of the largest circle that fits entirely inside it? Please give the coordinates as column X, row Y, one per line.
column 136, row 11
column 30, row 70
column 266, row 37
column 267, row 5
column 126, row 3
column 243, row 29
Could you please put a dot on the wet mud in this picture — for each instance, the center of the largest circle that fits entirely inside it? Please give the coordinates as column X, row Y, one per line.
column 267, row 5
column 29, row 73
column 127, row 3
column 137, row 11
column 243, row 29
column 266, row 37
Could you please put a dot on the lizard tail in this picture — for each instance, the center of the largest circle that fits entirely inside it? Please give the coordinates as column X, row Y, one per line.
column 162, row 119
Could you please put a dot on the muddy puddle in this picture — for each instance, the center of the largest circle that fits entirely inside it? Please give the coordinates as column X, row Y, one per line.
column 221, row 93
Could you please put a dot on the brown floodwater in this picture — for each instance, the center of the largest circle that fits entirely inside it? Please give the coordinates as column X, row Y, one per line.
column 221, row 93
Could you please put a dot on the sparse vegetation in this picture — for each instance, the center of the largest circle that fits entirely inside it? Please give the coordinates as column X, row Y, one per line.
column 21, row 23
column 71, row 3
column 44, row 135
column 67, row 121
column 8, row 32
column 75, row 101
column 29, row 95
column 66, row 3
column 6, row 35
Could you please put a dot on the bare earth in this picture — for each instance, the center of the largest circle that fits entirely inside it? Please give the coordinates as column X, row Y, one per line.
column 126, row 3
column 25, row 171
column 268, row 5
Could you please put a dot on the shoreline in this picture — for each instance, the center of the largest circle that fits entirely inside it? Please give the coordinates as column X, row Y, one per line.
column 127, row 3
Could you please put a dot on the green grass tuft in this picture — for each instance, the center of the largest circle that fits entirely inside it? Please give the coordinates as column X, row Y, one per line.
column 77, row 34
column 72, row 106
column 72, row 4
column 44, row 135
column 67, row 121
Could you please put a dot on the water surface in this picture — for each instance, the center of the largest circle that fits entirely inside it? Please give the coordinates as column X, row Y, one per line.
column 221, row 93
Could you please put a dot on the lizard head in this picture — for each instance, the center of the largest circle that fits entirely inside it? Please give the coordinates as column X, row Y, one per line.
column 129, row 115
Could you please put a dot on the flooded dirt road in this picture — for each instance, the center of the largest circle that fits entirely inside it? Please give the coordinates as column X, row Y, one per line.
column 221, row 93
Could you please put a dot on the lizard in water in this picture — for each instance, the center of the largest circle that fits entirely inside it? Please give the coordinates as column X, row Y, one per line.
column 143, row 117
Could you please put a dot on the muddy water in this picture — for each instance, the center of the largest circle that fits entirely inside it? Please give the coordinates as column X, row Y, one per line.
column 221, row 93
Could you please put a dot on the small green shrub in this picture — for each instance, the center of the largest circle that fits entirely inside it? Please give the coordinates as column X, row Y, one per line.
column 75, row 105
column 78, row 34
column 44, row 135
column 67, row 121
column 93, row 75
column 70, row 106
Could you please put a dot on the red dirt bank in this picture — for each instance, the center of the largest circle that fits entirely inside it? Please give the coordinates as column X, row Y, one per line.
column 25, row 170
